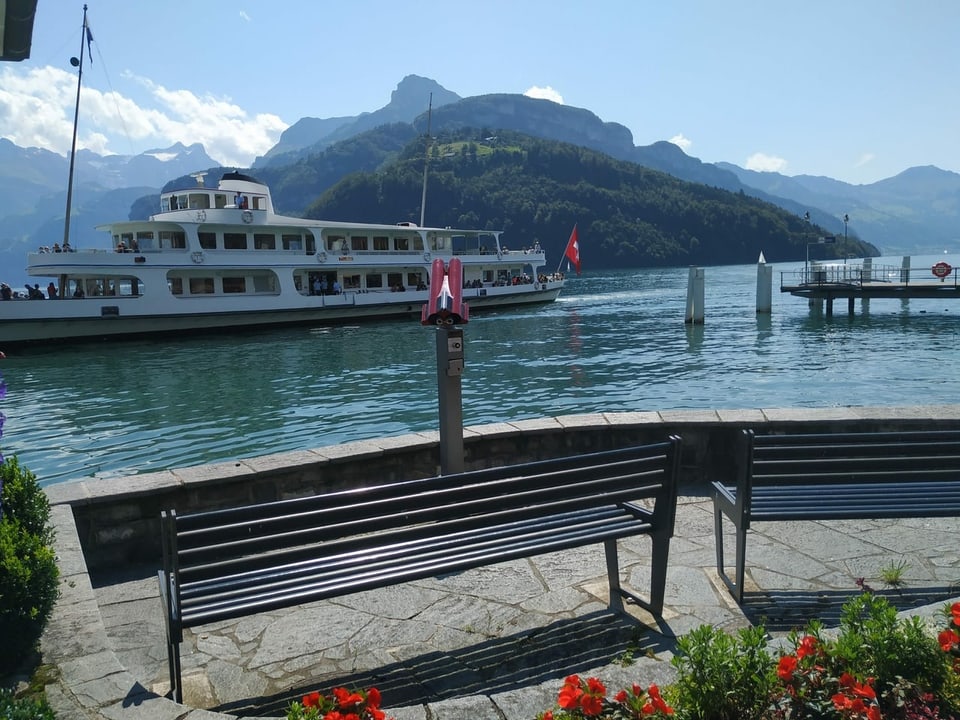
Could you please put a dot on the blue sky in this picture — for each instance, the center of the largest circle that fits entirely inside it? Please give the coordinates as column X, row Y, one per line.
column 857, row 90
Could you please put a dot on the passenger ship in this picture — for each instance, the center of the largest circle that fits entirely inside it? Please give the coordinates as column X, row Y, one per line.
column 220, row 258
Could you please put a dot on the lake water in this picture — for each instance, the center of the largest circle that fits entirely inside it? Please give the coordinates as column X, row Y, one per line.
column 615, row 341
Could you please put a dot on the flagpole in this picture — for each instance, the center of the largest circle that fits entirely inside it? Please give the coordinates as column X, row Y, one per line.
column 76, row 117
column 572, row 242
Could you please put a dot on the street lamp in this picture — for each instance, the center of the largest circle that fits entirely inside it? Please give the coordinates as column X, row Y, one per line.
column 806, row 217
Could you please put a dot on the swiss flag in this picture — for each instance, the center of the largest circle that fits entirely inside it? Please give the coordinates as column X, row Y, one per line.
column 572, row 253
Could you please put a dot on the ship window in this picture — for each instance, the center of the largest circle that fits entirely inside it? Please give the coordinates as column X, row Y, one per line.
column 145, row 241
column 403, row 243
column 234, row 284
column 201, row 286
column 176, row 285
column 395, row 280
column 208, row 240
column 199, row 201
column 172, row 240
column 358, row 242
column 263, row 241
column 234, row 241
column 182, row 202
column 418, row 243
column 259, row 203
column 311, row 244
column 265, row 283
column 414, row 280
column 336, row 243
column 375, row 280
column 220, row 200
column 381, row 243
column 292, row 242
column 164, row 204
column 351, row 282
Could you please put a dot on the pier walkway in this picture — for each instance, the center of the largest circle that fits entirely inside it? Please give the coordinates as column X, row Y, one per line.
column 824, row 282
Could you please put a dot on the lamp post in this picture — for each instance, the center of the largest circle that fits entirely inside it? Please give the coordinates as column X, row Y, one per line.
column 806, row 217
column 846, row 219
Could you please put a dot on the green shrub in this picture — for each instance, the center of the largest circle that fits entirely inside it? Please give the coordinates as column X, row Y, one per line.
column 874, row 642
column 722, row 676
column 12, row 708
column 28, row 568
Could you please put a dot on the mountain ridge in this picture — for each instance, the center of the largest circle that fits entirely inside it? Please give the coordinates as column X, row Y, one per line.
column 915, row 211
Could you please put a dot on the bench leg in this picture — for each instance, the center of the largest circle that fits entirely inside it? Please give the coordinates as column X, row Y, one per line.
column 658, row 576
column 740, row 552
column 174, row 638
column 613, row 574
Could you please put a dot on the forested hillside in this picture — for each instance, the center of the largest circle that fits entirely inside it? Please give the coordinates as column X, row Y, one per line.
column 536, row 190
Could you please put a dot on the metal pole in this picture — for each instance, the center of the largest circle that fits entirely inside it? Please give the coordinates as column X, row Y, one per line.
column 73, row 146
column 450, row 398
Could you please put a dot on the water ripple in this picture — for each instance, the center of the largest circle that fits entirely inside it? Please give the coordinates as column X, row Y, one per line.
column 615, row 341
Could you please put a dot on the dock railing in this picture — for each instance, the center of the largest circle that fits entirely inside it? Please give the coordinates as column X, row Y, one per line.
column 860, row 274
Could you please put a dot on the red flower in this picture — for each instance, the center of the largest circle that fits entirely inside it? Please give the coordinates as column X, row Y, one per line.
column 947, row 639
column 311, row 700
column 786, row 667
column 955, row 611
column 807, row 646
column 658, row 703
column 591, row 704
column 570, row 693
column 548, row 715
column 595, row 687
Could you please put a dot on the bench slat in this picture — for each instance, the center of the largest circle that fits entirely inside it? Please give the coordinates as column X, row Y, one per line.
column 405, row 568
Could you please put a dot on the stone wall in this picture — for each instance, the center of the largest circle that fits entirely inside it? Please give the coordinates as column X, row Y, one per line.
column 118, row 519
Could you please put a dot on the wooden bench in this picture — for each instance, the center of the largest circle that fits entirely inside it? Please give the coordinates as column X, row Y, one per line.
column 835, row 476
column 225, row 564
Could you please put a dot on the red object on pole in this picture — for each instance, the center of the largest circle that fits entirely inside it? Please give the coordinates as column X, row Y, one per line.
column 572, row 253
column 942, row 269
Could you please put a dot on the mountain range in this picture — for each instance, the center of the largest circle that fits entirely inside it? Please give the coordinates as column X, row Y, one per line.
column 916, row 211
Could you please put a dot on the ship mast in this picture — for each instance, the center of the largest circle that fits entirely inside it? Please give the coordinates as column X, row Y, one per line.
column 426, row 160
column 78, row 63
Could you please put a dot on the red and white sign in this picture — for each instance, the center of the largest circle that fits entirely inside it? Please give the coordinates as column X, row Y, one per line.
column 941, row 269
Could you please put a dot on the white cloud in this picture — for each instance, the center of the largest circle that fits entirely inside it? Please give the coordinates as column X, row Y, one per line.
column 545, row 93
column 36, row 110
column 865, row 159
column 244, row 16
column 761, row 162
column 681, row 142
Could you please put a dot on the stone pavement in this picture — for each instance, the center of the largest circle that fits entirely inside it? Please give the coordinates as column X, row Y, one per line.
column 490, row 643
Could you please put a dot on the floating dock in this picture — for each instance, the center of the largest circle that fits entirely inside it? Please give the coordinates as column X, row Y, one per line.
column 826, row 282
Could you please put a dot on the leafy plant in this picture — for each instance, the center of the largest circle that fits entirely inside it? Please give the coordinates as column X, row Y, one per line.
column 892, row 573
column 723, row 676
column 14, row 708
column 874, row 642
